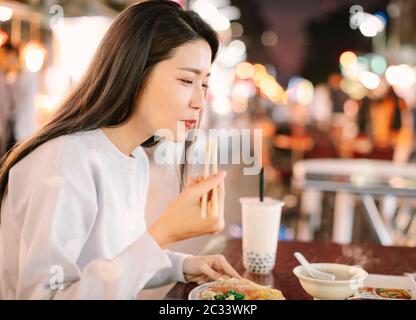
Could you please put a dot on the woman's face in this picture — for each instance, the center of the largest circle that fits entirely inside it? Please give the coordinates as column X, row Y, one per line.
column 176, row 91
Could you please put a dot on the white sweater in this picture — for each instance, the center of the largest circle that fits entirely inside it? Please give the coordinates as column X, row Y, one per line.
column 73, row 225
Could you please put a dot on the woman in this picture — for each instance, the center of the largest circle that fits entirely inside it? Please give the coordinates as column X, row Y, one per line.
column 73, row 195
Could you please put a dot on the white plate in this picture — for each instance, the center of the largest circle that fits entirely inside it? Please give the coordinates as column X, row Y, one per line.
column 194, row 294
column 388, row 281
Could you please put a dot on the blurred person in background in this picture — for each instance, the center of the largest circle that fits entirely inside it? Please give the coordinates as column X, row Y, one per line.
column 384, row 117
column 337, row 96
column 262, row 120
column 9, row 61
column 25, row 88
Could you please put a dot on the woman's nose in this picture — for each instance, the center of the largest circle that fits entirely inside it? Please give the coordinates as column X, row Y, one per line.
column 198, row 99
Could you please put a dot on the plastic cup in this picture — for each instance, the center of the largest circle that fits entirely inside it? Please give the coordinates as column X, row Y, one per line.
column 261, row 223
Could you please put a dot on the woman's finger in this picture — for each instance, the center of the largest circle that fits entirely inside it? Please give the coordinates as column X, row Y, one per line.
column 226, row 267
column 221, row 199
column 193, row 181
column 199, row 279
column 207, row 185
column 195, row 278
column 190, row 182
column 211, row 273
column 202, row 281
column 199, row 179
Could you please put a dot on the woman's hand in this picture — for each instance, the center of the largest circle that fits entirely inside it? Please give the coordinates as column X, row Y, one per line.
column 202, row 269
column 182, row 219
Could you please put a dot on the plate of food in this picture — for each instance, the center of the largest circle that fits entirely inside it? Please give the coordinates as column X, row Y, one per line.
column 384, row 294
column 387, row 287
column 234, row 289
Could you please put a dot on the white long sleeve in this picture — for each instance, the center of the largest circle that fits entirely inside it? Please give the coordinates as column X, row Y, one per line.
column 173, row 274
column 73, row 226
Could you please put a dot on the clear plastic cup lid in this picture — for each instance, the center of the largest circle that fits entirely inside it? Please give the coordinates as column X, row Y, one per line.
column 255, row 201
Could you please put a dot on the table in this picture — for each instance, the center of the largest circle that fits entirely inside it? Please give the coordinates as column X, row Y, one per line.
column 373, row 258
column 348, row 177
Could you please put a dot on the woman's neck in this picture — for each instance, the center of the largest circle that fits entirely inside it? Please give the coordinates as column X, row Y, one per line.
column 126, row 137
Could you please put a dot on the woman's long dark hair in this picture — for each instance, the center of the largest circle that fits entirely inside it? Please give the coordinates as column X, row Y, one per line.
column 142, row 36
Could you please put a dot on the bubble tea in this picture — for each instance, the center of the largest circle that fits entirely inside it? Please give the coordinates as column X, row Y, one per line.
column 261, row 223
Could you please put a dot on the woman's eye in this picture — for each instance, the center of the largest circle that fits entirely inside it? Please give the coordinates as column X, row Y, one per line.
column 190, row 82
column 187, row 81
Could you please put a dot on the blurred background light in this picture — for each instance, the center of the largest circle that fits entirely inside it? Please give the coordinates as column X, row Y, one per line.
column 378, row 64
column 77, row 39
column 393, row 10
column 34, row 56
column 369, row 80
column 353, row 88
column 381, row 15
column 237, row 29
column 300, row 90
column 351, row 107
column 6, row 13
column 269, row 38
column 371, row 25
column 244, row 70
column 221, row 105
column 352, row 71
column 401, row 76
column 3, row 38
column 231, row 12
column 210, row 13
column 347, row 59
column 304, row 94
column 232, row 54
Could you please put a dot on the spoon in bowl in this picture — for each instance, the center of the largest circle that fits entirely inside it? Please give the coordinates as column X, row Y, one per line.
column 310, row 270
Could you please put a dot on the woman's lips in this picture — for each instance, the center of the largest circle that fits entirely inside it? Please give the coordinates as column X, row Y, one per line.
column 189, row 124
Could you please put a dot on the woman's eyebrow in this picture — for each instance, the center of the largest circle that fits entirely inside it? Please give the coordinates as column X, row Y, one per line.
column 197, row 71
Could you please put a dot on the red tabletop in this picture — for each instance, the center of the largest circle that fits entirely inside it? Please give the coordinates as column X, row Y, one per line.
column 373, row 258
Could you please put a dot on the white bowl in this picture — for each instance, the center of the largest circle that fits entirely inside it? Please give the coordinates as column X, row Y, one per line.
column 348, row 279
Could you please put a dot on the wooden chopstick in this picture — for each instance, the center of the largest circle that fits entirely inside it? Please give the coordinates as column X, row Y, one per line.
column 206, row 175
column 211, row 148
column 214, row 197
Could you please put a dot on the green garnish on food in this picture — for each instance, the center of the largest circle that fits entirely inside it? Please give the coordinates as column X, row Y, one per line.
column 236, row 295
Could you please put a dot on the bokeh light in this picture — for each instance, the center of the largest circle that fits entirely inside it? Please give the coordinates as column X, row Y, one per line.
column 371, row 25
column 244, row 70
column 237, row 29
column 378, row 64
column 300, row 90
column 221, row 105
column 3, row 38
column 401, row 76
column 6, row 13
column 353, row 88
column 210, row 13
column 369, row 80
column 347, row 59
column 34, row 56
column 269, row 38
